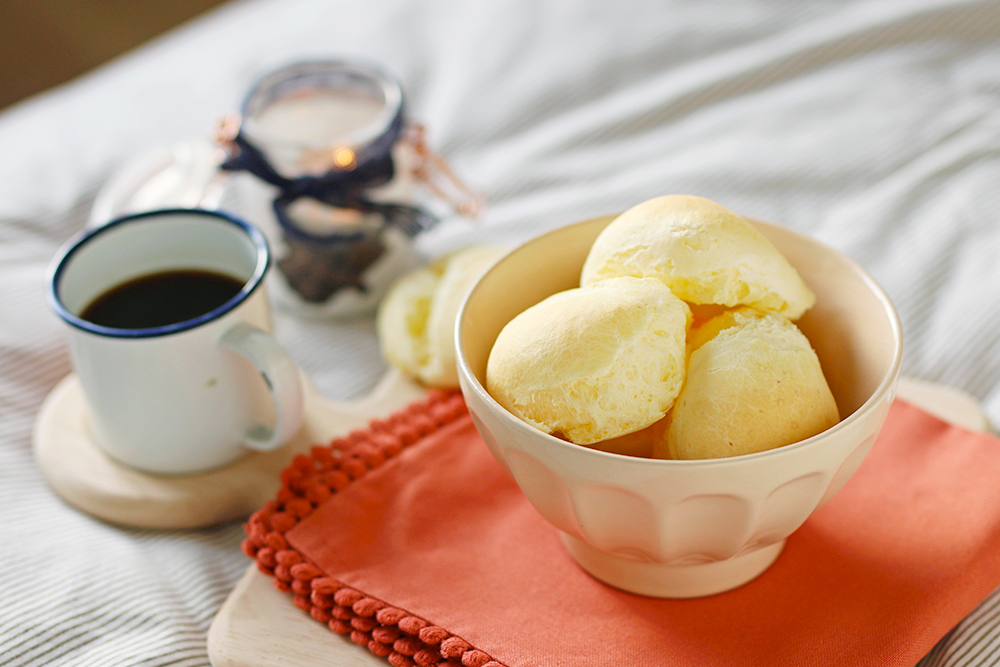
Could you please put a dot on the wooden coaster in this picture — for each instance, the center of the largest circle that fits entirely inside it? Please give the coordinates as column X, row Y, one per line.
column 85, row 477
column 258, row 626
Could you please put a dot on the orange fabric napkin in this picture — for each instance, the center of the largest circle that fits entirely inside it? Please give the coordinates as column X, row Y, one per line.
column 431, row 555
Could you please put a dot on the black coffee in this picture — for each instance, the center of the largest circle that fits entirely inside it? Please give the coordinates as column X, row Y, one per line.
column 160, row 299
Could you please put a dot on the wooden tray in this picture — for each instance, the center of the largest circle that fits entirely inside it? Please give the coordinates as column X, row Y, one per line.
column 258, row 626
column 85, row 477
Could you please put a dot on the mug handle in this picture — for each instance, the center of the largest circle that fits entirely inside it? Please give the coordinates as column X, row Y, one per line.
column 282, row 378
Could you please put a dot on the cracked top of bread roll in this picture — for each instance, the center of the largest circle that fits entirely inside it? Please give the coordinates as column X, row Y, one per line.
column 703, row 252
column 590, row 364
column 753, row 383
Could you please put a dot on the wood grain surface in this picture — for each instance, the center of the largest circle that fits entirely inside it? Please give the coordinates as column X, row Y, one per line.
column 85, row 477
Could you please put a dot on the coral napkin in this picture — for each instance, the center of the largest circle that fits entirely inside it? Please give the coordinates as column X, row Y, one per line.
column 409, row 537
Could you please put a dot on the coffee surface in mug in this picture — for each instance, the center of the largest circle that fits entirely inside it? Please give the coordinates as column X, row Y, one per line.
column 161, row 299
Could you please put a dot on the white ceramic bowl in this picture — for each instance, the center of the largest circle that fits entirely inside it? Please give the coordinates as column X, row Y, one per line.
column 686, row 528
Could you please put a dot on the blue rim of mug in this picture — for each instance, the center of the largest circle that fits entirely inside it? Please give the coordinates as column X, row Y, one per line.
column 62, row 258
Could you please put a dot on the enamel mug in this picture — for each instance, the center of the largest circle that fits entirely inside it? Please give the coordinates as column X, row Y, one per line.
column 187, row 396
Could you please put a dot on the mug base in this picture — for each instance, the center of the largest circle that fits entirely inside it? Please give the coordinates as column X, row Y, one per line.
column 663, row 580
column 169, row 469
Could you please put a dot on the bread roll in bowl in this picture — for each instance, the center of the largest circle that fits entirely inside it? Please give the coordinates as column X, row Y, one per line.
column 703, row 252
column 591, row 364
column 753, row 383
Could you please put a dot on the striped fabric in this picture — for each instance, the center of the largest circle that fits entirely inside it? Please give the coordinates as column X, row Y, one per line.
column 873, row 125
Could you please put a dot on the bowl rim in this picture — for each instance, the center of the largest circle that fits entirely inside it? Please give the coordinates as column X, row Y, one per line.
column 885, row 388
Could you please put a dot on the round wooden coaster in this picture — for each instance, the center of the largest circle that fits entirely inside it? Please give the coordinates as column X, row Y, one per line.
column 258, row 626
column 85, row 477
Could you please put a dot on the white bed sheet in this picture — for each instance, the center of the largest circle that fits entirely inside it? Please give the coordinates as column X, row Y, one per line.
column 874, row 126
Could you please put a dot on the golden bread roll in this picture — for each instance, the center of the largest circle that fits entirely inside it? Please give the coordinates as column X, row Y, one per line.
column 591, row 364
column 703, row 252
column 753, row 383
column 415, row 322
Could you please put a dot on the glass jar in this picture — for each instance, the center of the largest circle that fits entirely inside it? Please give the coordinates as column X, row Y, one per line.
column 333, row 141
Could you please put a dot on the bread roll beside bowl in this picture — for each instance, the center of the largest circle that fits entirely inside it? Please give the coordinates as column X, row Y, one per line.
column 689, row 528
column 415, row 322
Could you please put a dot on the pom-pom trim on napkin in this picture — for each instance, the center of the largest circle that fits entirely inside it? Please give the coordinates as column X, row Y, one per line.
column 404, row 639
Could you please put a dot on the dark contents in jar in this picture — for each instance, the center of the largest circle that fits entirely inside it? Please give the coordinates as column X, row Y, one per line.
column 317, row 270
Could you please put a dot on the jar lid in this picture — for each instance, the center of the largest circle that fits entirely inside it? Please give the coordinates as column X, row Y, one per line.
column 316, row 117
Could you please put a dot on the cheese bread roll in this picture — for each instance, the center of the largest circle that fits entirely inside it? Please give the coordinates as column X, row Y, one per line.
column 591, row 364
column 703, row 252
column 753, row 383
column 415, row 322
